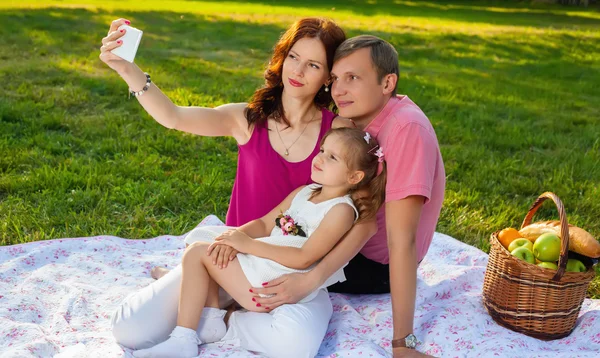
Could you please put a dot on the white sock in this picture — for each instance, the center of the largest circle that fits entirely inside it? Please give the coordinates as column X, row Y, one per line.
column 212, row 325
column 182, row 343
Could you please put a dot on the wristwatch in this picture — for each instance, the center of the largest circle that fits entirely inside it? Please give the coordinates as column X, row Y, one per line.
column 409, row 341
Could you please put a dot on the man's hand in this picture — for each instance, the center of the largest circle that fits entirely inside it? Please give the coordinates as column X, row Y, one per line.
column 289, row 288
column 221, row 255
column 233, row 238
column 402, row 352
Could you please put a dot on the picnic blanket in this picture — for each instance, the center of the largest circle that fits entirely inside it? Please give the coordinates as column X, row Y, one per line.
column 57, row 297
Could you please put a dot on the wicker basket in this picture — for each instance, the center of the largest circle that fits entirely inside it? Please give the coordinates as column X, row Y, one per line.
column 535, row 301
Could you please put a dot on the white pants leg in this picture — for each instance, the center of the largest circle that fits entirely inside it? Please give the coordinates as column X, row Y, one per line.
column 148, row 316
column 205, row 233
column 291, row 331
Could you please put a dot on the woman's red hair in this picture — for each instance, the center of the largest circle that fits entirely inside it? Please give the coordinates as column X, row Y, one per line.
column 266, row 101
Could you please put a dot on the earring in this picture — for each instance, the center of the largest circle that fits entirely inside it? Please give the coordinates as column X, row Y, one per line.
column 326, row 89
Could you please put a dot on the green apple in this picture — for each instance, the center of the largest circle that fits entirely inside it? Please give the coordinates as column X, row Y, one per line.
column 548, row 265
column 547, row 247
column 524, row 254
column 522, row 242
column 574, row 265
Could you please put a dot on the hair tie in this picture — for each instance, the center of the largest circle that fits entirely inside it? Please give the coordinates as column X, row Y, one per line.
column 379, row 168
column 379, row 154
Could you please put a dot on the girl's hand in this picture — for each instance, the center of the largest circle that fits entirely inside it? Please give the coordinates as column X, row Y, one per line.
column 112, row 41
column 221, row 255
column 235, row 239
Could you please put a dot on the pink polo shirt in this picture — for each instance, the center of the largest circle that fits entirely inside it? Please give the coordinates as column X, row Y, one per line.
column 414, row 167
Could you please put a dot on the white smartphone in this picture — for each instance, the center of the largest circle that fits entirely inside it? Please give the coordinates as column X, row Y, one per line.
column 131, row 41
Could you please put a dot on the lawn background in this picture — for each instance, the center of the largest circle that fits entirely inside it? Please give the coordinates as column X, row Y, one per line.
column 510, row 87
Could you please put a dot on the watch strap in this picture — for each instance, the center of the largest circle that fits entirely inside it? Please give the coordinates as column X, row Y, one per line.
column 397, row 343
column 410, row 342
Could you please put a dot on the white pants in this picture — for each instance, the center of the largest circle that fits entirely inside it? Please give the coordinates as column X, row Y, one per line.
column 147, row 317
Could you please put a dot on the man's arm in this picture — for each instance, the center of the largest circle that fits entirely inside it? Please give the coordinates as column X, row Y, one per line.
column 402, row 220
column 294, row 287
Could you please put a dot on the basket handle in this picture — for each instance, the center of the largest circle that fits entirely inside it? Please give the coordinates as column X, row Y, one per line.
column 564, row 229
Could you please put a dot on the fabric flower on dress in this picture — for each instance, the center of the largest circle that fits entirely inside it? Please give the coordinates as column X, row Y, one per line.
column 288, row 226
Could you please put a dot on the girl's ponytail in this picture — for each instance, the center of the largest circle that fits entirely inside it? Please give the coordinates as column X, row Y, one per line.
column 370, row 196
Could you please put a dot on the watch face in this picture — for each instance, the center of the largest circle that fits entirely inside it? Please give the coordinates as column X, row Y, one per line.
column 411, row 341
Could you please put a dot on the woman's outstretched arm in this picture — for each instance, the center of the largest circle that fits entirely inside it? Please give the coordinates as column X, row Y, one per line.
column 226, row 120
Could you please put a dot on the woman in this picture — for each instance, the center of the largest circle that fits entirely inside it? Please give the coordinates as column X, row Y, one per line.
column 284, row 121
column 278, row 132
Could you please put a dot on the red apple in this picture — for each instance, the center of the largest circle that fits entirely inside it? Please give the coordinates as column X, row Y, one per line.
column 547, row 247
column 524, row 254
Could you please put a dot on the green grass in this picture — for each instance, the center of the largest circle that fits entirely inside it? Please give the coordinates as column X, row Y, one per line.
column 511, row 88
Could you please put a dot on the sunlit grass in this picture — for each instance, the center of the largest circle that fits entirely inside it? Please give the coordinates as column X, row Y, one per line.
column 510, row 87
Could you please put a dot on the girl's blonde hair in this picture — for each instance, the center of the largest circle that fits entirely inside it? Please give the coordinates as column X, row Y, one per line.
column 369, row 194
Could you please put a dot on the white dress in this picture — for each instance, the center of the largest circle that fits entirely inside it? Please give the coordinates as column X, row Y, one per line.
column 306, row 214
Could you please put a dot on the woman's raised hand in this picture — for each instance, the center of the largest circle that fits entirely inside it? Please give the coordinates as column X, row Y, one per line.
column 112, row 41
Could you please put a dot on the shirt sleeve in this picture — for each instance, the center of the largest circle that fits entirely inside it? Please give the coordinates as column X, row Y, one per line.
column 411, row 159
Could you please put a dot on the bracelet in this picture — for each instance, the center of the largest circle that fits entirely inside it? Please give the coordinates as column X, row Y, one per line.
column 139, row 93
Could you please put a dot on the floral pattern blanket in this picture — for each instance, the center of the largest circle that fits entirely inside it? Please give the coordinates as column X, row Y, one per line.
column 56, row 299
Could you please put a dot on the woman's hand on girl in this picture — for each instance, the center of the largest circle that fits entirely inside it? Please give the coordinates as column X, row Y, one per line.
column 112, row 41
column 290, row 288
column 221, row 255
column 234, row 238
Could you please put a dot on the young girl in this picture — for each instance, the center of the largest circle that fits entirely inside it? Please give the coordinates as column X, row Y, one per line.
column 291, row 238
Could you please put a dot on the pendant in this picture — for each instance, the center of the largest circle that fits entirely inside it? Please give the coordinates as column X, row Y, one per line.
column 286, row 152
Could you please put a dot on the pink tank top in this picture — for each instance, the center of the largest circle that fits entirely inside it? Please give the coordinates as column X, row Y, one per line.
column 264, row 178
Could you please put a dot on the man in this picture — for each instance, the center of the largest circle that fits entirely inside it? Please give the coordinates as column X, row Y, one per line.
column 365, row 76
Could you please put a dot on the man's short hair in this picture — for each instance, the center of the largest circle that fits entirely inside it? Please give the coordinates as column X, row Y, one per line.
column 383, row 55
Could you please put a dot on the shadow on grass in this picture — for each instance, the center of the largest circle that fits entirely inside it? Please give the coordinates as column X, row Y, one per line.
column 512, row 13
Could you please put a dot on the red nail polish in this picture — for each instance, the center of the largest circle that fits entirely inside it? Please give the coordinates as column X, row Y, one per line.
column 253, row 299
column 267, row 308
column 128, row 22
column 121, row 30
column 251, row 290
column 258, row 305
column 119, row 42
column 265, row 283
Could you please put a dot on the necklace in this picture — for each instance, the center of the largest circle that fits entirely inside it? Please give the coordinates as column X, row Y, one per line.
column 287, row 149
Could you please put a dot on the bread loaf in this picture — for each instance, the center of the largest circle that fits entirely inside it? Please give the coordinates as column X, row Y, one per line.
column 580, row 241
